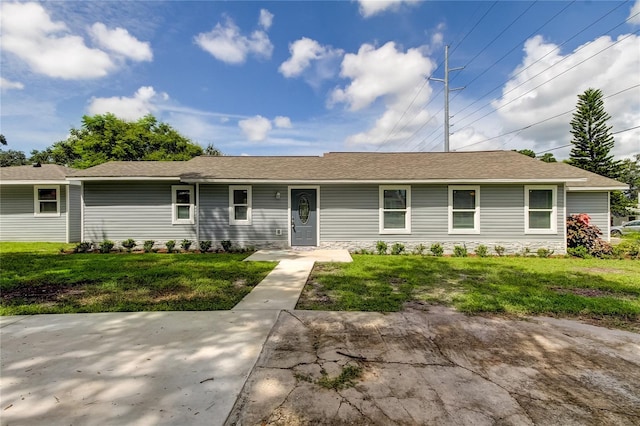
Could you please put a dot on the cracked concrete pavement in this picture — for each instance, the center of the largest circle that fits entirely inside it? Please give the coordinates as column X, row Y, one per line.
column 432, row 365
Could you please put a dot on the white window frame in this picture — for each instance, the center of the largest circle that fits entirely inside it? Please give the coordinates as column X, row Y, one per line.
column 382, row 210
column 554, row 210
column 476, row 210
column 174, row 205
column 36, row 200
column 232, row 206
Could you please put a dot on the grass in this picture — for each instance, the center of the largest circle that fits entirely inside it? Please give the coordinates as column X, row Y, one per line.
column 37, row 279
column 605, row 290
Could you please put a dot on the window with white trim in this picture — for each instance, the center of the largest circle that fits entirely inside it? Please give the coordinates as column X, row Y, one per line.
column 239, row 205
column 395, row 209
column 183, row 205
column 46, row 200
column 464, row 209
column 540, row 209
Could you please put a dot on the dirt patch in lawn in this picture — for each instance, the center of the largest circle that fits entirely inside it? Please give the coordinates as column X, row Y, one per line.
column 43, row 293
column 440, row 367
column 586, row 292
column 603, row 270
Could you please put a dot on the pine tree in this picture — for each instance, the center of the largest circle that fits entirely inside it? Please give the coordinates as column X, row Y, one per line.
column 592, row 138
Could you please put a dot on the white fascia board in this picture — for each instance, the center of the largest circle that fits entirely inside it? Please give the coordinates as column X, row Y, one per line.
column 597, row 188
column 123, row 178
column 384, row 182
column 34, row 182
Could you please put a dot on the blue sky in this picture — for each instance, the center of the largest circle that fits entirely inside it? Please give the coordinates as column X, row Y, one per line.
column 293, row 77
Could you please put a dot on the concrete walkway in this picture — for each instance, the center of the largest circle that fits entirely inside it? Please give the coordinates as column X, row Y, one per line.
column 144, row 368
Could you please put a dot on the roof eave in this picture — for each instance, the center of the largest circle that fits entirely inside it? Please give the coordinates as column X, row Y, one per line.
column 35, row 182
column 596, row 188
column 123, row 178
column 379, row 181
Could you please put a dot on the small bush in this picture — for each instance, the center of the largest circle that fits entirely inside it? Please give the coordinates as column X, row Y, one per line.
column 482, row 251
column 419, row 249
column 628, row 247
column 397, row 249
column 106, row 246
column 129, row 244
column 170, row 245
column 499, row 250
column 83, row 247
column 381, row 247
column 205, row 246
column 543, row 252
column 460, row 251
column 226, row 245
column 148, row 246
column 581, row 233
column 186, row 244
column 437, row 249
column 580, row 251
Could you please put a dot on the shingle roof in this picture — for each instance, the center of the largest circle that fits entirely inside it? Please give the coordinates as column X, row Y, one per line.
column 593, row 180
column 134, row 169
column 46, row 172
column 470, row 167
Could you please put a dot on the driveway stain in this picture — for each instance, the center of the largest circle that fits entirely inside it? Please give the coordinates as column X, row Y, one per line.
column 437, row 366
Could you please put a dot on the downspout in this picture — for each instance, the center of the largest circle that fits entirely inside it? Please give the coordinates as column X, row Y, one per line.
column 67, row 188
column 564, row 215
column 608, row 216
column 197, row 212
column 82, row 211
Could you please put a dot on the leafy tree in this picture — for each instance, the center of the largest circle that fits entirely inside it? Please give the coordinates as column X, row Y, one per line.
column 212, row 150
column 548, row 158
column 3, row 140
column 527, row 152
column 103, row 138
column 630, row 174
column 11, row 157
column 592, row 138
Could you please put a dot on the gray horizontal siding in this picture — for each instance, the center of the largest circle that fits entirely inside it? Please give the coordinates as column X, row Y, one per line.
column 138, row 210
column 17, row 220
column 75, row 210
column 268, row 214
column 595, row 204
column 350, row 212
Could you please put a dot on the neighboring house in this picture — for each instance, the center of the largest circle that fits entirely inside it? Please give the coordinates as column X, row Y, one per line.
column 38, row 203
column 344, row 200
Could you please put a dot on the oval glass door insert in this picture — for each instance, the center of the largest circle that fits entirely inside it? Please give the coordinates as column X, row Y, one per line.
column 303, row 209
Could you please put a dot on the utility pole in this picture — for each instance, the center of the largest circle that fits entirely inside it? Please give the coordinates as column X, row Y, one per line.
column 446, row 94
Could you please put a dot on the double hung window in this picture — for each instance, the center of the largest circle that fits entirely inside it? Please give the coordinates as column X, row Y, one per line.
column 46, row 200
column 395, row 209
column 464, row 209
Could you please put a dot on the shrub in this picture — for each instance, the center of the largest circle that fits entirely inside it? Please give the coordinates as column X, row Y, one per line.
column 419, row 249
column 83, row 247
column 186, row 244
column 499, row 250
column 381, row 247
column 106, row 246
column 129, row 244
column 543, row 252
column 148, row 246
column 482, row 251
column 205, row 246
column 437, row 249
column 628, row 247
column 581, row 233
column 460, row 251
column 580, row 251
column 397, row 249
column 170, row 245
column 226, row 245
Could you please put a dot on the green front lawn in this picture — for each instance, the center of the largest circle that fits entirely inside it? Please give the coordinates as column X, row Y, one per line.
column 597, row 289
column 36, row 279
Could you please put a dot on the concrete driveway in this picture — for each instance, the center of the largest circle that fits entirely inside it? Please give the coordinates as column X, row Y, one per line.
column 434, row 366
column 146, row 368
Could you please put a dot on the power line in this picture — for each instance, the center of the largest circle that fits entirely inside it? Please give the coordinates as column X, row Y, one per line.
column 565, row 146
column 538, row 60
column 548, row 119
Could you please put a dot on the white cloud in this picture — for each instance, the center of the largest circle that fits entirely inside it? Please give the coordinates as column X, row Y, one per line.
column 8, row 84
column 303, row 52
column 634, row 14
column 49, row 47
column 120, row 41
column 370, row 8
column 282, row 122
column 255, row 128
column 144, row 101
column 561, row 78
column 266, row 19
column 396, row 77
column 225, row 42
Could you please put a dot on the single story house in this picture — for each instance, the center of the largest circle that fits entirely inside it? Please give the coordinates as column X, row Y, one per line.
column 38, row 203
column 343, row 200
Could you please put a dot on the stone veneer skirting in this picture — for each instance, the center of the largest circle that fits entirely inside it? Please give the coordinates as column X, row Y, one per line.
column 510, row 247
